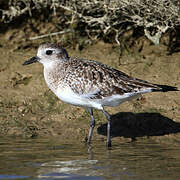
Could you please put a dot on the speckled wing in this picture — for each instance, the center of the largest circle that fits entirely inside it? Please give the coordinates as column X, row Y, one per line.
column 95, row 80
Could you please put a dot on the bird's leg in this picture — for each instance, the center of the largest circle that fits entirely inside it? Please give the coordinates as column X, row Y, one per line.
column 92, row 124
column 108, row 117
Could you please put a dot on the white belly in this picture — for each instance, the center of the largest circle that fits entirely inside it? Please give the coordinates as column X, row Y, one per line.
column 68, row 96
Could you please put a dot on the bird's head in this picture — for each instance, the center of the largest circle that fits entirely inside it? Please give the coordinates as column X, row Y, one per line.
column 48, row 54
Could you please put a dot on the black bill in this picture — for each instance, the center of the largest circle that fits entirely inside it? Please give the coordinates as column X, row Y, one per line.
column 32, row 60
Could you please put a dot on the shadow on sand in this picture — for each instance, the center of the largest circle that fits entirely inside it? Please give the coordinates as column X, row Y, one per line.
column 132, row 125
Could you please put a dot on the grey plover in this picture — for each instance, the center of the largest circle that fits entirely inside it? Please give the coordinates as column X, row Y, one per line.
column 88, row 83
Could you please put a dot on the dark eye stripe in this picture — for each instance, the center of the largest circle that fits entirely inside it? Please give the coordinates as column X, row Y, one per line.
column 49, row 52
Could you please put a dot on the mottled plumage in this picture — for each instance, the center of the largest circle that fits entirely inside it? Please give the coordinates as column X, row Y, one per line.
column 88, row 83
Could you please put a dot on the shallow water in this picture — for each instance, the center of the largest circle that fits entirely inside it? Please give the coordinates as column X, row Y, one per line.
column 52, row 159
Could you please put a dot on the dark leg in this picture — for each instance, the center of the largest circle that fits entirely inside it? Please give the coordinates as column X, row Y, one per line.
column 108, row 117
column 92, row 124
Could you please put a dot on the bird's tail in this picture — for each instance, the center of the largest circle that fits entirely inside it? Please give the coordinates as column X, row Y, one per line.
column 164, row 88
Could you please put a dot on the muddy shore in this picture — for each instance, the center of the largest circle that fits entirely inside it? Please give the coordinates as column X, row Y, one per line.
column 29, row 109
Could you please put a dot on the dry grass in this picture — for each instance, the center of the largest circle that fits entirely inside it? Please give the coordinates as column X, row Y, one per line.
column 103, row 18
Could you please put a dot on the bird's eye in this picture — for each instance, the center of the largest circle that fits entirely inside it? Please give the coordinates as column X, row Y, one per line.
column 49, row 52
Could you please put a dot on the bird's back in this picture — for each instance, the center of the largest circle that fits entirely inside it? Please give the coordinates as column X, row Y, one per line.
column 96, row 80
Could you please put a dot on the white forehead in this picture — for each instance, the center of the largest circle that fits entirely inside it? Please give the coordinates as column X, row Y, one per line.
column 43, row 48
column 58, row 51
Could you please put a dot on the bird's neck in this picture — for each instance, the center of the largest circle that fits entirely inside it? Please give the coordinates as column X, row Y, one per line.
column 53, row 74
